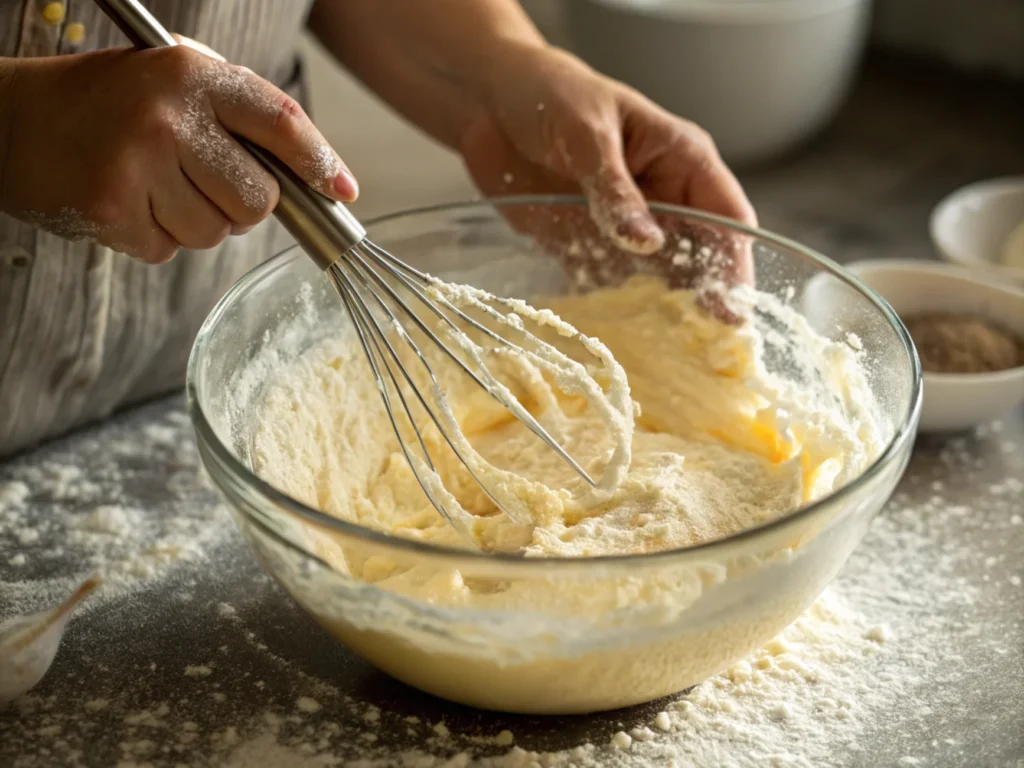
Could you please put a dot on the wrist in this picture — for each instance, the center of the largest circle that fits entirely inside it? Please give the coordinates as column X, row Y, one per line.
column 506, row 62
column 485, row 76
column 519, row 77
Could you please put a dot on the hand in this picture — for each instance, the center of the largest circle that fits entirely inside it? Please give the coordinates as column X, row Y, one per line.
column 134, row 149
column 552, row 125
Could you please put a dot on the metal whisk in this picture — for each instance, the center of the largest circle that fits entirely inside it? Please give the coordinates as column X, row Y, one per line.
column 364, row 275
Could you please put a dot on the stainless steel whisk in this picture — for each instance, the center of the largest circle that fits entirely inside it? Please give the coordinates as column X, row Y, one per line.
column 364, row 275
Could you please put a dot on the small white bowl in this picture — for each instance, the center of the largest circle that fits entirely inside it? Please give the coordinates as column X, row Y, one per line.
column 971, row 226
column 953, row 401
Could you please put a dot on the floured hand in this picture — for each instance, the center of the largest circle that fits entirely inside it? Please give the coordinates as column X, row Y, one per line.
column 553, row 125
column 136, row 149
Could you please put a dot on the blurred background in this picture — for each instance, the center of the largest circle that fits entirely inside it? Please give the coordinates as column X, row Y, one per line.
column 846, row 119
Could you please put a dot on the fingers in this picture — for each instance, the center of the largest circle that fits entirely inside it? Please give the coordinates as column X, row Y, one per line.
column 225, row 172
column 617, row 205
column 619, row 210
column 713, row 186
column 187, row 215
column 224, row 101
column 249, row 106
column 158, row 247
column 145, row 240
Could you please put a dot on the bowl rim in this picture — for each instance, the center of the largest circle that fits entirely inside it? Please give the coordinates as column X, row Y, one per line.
column 987, row 282
column 904, row 432
column 938, row 228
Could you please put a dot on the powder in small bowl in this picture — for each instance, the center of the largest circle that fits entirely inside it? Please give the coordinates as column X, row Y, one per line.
column 950, row 343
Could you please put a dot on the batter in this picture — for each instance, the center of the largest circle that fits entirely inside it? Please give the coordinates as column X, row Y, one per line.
column 714, row 444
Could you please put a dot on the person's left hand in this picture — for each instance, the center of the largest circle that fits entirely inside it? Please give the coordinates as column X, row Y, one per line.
column 553, row 125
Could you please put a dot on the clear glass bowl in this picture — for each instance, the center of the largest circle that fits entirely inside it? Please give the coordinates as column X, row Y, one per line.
column 603, row 632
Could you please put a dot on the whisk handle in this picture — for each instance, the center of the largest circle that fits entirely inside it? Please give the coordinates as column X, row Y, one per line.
column 325, row 228
column 137, row 23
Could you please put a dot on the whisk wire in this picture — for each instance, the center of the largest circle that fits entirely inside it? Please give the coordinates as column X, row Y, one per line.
column 357, row 256
column 395, row 268
column 355, row 308
column 431, row 412
column 399, row 267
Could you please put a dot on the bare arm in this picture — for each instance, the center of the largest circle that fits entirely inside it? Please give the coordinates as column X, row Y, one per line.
column 6, row 114
column 431, row 60
column 527, row 117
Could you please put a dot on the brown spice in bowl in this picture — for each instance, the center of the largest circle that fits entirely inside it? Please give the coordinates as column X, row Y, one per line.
column 950, row 343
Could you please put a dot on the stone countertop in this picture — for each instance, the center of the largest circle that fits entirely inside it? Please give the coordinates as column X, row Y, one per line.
column 180, row 666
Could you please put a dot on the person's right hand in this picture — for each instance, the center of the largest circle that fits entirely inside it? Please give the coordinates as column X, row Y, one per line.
column 134, row 149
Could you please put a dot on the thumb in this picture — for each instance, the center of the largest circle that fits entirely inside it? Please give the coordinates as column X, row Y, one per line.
column 617, row 205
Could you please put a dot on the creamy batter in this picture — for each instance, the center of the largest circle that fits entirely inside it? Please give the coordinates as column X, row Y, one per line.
column 717, row 444
column 714, row 449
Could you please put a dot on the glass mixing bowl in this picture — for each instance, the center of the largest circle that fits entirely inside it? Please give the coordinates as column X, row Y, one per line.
column 589, row 634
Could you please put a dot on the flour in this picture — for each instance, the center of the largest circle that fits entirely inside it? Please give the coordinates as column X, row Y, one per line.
column 877, row 655
column 74, row 514
column 68, row 224
column 307, row 704
column 198, row 130
column 632, row 229
column 322, row 166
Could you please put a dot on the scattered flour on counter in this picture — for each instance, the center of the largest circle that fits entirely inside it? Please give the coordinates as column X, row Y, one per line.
column 881, row 644
column 307, row 704
column 103, row 503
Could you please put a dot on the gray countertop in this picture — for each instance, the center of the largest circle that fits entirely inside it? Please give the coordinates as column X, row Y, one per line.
column 186, row 665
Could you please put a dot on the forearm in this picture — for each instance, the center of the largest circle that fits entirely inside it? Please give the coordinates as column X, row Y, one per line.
column 433, row 61
column 6, row 118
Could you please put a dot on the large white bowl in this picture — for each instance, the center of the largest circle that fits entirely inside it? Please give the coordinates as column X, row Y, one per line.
column 971, row 225
column 952, row 401
column 760, row 75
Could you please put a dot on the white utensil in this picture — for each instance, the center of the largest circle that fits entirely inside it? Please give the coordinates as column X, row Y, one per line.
column 28, row 644
column 972, row 225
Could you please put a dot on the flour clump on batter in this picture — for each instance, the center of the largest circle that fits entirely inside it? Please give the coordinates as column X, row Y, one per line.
column 720, row 443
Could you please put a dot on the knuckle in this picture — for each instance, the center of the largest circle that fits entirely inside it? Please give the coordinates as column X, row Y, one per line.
column 258, row 200
column 271, row 195
column 700, row 142
column 106, row 212
column 288, row 114
column 210, row 237
column 110, row 207
column 589, row 127
column 156, row 122
column 159, row 251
